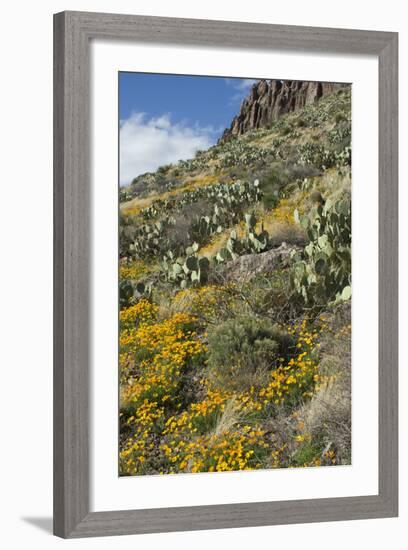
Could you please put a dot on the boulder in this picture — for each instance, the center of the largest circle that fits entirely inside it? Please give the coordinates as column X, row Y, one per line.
column 247, row 267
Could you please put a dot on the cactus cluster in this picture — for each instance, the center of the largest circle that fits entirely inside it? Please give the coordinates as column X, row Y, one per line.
column 226, row 210
column 239, row 152
column 340, row 134
column 253, row 242
column 316, row 114
column 190, row 269
column 125, row 194
column 223, row 194
column 226, row 202
column 148, row 238
column 288, row 130
column 314, row 154
column 199, row 162
column 187, row 270
column 151, row 233
column 322, row 273
column 245, row 155
column 129, row 292
column 305, row 184
column 232, row 153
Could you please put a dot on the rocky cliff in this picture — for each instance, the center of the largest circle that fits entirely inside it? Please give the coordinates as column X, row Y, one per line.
column 269, row 99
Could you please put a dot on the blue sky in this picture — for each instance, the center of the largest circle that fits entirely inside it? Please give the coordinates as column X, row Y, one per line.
column 164, row 118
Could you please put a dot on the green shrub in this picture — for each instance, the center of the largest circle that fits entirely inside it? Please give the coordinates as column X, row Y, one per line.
column 272, row 182
column 164, row 168
column 243, row 350
column 286, row 130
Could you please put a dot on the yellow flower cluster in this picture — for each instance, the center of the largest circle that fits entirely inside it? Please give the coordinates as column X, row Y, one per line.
column 132, row 270
column 161, row 350
column 142, row 312
column 213, row 452
column 158, row 353
column 200, row 416
column 136, row 449
column 195, row 444
column 284, row 212
column 204, row 302
column 162, row 435
column 330, row 456
column 293, row 379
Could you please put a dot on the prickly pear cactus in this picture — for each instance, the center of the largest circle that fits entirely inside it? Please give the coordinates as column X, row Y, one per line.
column 322, row 273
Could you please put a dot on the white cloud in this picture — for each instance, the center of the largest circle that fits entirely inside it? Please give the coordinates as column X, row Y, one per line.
column 241, row 84
column 241, row 87
column 147, row 144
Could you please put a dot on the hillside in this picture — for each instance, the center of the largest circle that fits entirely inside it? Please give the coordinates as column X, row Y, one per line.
column 270, row 99
column 235, row 286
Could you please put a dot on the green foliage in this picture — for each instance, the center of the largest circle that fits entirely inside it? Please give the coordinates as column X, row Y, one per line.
column 271, row 295
column 322, row 157
column 126, row 235
column 228, row 202
column 322, row 273
column 289, row 132
column 125, row 194
column 334, row 106
column 149, row 239
column 157, row 234
column 239, row 152
column 339, row 118
column 229, row 195
column 271, row 185
column 164, row 168
column 243, row 349
column 252, row 243
column 307, row 453
column 341, row 134
column 126, row 293
column 187, row 270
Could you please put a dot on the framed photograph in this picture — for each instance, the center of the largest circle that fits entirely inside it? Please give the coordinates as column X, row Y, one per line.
column 225, row 287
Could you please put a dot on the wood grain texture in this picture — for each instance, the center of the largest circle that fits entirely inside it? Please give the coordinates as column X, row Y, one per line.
column 72, row 33
column 71, row 283
column 388, row 273
column 229, row 34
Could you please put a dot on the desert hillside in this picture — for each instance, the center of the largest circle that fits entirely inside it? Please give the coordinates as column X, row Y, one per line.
column 235, row 287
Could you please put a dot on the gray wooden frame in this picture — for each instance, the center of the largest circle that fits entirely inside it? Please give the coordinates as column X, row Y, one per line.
column 72, row 34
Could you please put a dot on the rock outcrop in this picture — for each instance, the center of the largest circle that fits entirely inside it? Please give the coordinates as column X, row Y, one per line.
column 244, row 268
column 270, row 99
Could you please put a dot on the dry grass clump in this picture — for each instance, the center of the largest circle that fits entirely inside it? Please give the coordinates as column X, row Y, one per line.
column 230, row 417
column 284, row 232
column 327, row 416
